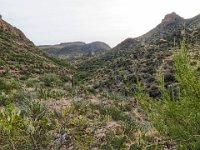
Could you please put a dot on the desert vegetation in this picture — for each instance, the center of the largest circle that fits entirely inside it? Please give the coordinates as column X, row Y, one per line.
column 113, row 121
column 138, row 95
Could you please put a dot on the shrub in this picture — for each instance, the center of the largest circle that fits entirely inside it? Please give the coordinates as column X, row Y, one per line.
column 51, row 93
column 31, row 130
column 9, row 85
column 112, row 111
column 178, row 120
column 186, row 75
column 51, row 80
column 114, row 142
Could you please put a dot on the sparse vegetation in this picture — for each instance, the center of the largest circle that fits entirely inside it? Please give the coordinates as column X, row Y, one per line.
column 110, row 102
column 178, row 120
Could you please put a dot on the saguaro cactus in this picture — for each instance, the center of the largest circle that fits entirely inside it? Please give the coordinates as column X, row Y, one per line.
column 174, row 91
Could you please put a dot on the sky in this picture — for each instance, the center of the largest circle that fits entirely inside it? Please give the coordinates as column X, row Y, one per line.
column 110, row 21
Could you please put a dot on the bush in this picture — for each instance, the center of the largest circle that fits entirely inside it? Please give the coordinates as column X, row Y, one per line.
column 9, row 85
column 112, row 111
column 186, row 75
column 114, row 142
column 51, row 93
column 30, row 130
column 51, row 80
column 178, row 120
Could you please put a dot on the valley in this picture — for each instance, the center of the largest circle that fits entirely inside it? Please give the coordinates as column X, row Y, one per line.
column 74, row 95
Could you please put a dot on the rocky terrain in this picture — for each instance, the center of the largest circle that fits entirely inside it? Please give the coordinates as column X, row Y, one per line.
column 140, row 59
column 40, row 108
column 113, row 100
column 21, row 59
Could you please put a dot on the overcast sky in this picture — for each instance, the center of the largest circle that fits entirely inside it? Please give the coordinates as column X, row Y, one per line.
column 111, row 21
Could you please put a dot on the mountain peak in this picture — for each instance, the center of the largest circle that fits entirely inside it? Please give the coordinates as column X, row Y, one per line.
column 172, row 17
column 19, row 35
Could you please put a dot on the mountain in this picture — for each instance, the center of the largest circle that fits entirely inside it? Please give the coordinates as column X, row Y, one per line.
column 171, row 25
column 141, row 58
column 75, row 48
column 20, row 58
column 41, row 109
column 46, row 103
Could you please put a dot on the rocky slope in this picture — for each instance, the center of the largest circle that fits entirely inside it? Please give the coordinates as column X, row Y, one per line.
column 40, row 109
column 140, row 58
column 20, row 58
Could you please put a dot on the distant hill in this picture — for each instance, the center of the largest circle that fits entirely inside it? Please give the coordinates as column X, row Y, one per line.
column 142, row 57
column 75, row 48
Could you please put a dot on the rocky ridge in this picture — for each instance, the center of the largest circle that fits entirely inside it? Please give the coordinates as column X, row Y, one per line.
column 140, row 58
column 20, row 57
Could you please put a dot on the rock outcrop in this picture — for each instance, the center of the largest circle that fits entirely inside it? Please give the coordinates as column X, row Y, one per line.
column 172, row 17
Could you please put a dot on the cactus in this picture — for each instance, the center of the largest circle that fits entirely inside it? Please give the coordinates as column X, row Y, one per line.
column 174, row 91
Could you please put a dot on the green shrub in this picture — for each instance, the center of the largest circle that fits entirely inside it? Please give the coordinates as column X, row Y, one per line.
column 2, row 63
column 112, row 111
column 32, row 82
column 4, row 99
column 51, row 93
column 80, row 121
column 114, row 142
column 51, row 80
column 186, row 75
column 178, row 120
column 9, row 85
column 31, row 130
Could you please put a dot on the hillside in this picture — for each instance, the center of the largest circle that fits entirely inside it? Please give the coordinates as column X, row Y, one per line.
column 21, row 59
column 47, row 104
column 75, row 49
column 40, row 109
column 140, row 58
